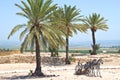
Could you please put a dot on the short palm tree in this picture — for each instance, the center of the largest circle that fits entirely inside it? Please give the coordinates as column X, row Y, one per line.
column 95, row 22
column 68, row 23
column 37, row 30
column 56, row 23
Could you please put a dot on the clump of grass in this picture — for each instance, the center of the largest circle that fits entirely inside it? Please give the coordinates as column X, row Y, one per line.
column 30, row 73
column 72, row 59
column 5, row 52
column 119, row 51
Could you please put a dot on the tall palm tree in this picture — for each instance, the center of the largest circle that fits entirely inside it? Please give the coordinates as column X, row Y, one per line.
column 68, row 23
column 37, row 31
column 95, row 22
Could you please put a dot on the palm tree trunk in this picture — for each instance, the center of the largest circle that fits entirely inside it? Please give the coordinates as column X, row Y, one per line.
column 94, row 43
column 67, row 48
column 52, row 55
column 38, row 71
column 51, row 50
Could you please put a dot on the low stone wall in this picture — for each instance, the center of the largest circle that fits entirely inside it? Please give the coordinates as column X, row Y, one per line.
column 26, row 58
column 17, row 59
column 10, row 52
column 4, row 59
column 30, row 59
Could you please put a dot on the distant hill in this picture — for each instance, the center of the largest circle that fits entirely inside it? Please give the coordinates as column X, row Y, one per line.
column 10, row 44
column 73, row 44
column 103, row 43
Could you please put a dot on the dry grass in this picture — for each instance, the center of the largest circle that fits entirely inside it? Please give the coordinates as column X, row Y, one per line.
column 9, row 52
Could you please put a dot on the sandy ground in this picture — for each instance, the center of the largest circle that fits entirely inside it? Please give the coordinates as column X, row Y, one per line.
column 110, row 70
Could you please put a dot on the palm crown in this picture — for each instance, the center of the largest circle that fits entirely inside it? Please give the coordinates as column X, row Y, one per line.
column 38, row 25
column 95, row 22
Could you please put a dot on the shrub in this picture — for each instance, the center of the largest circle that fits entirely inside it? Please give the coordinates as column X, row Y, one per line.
column 30, row 73
column 72, row 59
column 97, row 46
column 119, row 51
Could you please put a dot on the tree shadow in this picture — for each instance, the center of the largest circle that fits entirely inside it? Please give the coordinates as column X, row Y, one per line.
column 53, row 61
column 27, row 77
column 54, row 64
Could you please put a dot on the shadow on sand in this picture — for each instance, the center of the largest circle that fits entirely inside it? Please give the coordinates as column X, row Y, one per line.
column 27, row 77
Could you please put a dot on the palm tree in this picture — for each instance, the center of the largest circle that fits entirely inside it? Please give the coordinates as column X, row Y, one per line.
column 56, row 23
column 37, row 31
column 95, row 22
column 68, row 23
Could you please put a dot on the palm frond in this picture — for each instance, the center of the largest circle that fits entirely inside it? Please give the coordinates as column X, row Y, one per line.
column 95, row 21
column 15, row 29
column 32, row 45
column 38, row 13
column 23, row 33
column 24, row 44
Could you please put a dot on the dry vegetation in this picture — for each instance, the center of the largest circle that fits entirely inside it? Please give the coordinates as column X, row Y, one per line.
column 46, row 59
column 4, row 52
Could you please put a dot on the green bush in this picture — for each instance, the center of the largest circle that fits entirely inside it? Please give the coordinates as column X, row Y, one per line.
column 30, row 73
column 97, row 46
column 72, row 59
column 119, row 51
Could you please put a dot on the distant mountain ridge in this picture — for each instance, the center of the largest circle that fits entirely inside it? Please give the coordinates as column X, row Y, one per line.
column 103, row 43
column 10, row 44
column 73, row 44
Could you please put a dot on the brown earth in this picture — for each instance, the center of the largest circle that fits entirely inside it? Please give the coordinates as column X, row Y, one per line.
column 17, row 66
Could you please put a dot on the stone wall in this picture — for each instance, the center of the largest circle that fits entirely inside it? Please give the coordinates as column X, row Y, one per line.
column 29, row 59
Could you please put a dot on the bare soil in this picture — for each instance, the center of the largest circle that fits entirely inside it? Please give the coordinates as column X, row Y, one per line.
column 110, row 70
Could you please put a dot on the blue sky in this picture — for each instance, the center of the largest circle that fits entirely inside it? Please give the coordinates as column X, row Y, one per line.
column 107, row 8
